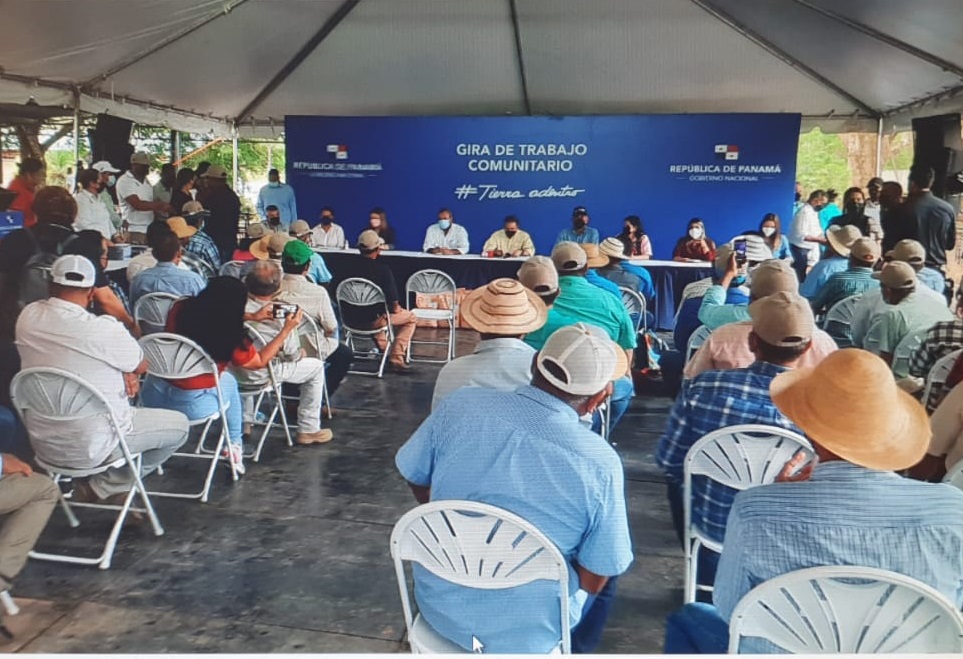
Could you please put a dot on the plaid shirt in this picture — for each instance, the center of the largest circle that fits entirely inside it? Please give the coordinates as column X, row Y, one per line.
column 841, row 285
column 710, row 401
column 941, row 339
column 202, row 246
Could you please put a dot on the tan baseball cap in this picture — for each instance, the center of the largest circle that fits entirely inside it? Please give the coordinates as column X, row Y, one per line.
column 770, row 277
column 270, row 247
column 299, row 228
column 369, row 240
column 613, row 248
column 569, row 257
column 594, row 257
column 865, row 250
column 256, row 231
column 215, row 171
column 783, row 319
column 897, row 275
column 140, row 158
column 909, row 251
column 842, row 238
column 193, row 208
column 580, row 359
column 538, row 274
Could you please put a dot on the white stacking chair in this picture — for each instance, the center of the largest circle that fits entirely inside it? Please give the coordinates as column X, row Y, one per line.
column 360, row 292
column 739, row 457
column 433, row 282
column 847, row 610
column 473, row 545
column 150, row 311
column 937, row 377
column 268, row 392
column 55, row 395
column 236, row 269
column 175, row 357
column 309, row 329
column 696, row 339
column 955, row 475
column 838, row 320
column 634, row 303
column 905, row 349
column 200, row 266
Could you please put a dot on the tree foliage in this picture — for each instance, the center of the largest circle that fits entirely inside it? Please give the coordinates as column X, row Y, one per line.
column 822, row 162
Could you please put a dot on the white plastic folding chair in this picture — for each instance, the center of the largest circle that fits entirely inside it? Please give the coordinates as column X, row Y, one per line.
column 696, row 339
column 936, row 378
column 838, row 320
column 905, row 349
column 200, row 266
column 55, row 395
column 433, row 282
column 236, row 269
column 267, row 392
column 150, row 311
column 739, row 457
column 634, row 303
column 175, row 357
column 309, row 330
column 954, row 476
column 478, row 546
column 847, row 610
column 358, row 292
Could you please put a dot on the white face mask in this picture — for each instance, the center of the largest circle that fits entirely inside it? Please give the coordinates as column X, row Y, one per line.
column 768, row 231
column 695, row 233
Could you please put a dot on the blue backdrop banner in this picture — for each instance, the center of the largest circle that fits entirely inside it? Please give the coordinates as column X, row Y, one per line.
column 728, row 169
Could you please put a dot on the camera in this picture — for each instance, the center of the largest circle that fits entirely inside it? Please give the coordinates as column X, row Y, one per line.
column 739, row 247
column 282, row 311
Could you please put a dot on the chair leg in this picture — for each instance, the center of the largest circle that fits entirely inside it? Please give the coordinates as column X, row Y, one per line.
column 111, row 545
column 205, row 493
column 68, row 511
column 691, row 571
column 148, row 505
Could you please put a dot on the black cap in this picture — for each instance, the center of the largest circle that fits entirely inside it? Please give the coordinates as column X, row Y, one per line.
column 579, row 210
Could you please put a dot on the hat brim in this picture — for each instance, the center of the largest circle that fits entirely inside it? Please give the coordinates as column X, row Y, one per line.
column 480, row 320
column 259, row 249
column 833, row 239
column 186, row 233
column 896, row 437
column 599, row 261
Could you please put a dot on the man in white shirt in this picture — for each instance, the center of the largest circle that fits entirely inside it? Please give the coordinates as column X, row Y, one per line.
column 91, row 212
column 328, row 234
column 806, row 234
column 136, row 197
column 502, row 312
column 108, row 179
column 446, row 237
column 60, row 333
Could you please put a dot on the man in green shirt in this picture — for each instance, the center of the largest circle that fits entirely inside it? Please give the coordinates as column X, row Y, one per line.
column 769, row 277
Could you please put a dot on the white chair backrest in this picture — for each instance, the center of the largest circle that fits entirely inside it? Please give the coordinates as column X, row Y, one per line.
column 236, row 269
column 477, row 546
column 938, row 374
column 633, row 302
column 172, row 356
column 844, row 610
column 200, row 266
column 57, row 395
column 359, row 292
column 955, row 475
column 430, row 282
column 842, row 311
column 696, row 339
column 743, row 456
column 905, row 349
column 150, row 311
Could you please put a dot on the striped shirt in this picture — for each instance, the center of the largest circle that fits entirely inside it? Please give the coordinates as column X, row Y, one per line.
column 941, row 339
column 201, row 246
column 841, row 285
column 843, row 515
column 710, row 401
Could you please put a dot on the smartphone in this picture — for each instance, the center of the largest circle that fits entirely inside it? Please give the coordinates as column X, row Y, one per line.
column 739, row 247
column 282, row 311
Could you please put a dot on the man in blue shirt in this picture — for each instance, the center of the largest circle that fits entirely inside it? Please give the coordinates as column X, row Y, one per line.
column 580, row 232
column 166, row 277
column 855, row 280
column 526, row 452
column 835, row 259
column 623, row 273
column 278, row 194
column 851, row 509
column 201, row 246
column 596, row 260
column 769, row 277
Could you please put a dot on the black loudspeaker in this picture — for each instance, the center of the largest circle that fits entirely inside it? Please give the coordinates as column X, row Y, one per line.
column 939, row 144
column 110, row 140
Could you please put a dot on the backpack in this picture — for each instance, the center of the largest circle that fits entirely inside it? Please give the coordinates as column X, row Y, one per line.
column 35, row 276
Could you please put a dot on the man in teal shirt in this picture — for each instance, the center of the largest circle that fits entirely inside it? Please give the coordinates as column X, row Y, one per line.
column 770, row 277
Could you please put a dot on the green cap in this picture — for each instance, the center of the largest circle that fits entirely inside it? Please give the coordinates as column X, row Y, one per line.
column 296, row 253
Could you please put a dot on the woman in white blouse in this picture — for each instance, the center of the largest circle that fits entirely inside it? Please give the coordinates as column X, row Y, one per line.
column 91, row 212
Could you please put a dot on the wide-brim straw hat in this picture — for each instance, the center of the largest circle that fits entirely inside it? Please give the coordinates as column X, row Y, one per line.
column 850, row 405
column 596, row 259
column 259, row 249
column 504, row 307
column 842, row 238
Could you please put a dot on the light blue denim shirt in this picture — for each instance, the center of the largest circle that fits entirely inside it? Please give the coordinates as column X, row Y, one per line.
column 166, row 278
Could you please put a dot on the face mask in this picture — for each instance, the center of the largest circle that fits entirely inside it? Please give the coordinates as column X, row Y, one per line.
column 274, row 220
column 111, row 180
column 326, row 219
column 510, row 234
column 578, row 223
column 768, row 232
column 275, row 184
column 444, row 224
column 628, row 228
column 855, row 208
column 695, row 233
column 374, row 223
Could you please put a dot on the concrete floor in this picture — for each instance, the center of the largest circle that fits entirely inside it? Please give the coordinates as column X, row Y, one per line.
column 294, row 557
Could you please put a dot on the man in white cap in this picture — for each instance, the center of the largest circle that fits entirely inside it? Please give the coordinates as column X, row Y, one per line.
column 108, row 179
column 502, row 312
column 526, row 452
column 318, row 271
column 60, row 333
column 136, row 197
column 835, row 259
column 851, row 509
column 855, row 280
column 782, row 331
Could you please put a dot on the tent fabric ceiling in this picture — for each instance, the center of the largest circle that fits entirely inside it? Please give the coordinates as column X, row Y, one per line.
column 199, row 64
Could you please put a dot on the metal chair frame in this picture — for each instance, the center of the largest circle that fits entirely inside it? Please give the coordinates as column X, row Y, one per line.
column 358, row 291
column 433, row 282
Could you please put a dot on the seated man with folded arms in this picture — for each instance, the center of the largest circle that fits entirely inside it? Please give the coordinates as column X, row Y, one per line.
column 526, row 452
column 60, row 333
column 782, row 330
column 850, row 509
column 502, row 312
column 446, row 237
column 855, row 280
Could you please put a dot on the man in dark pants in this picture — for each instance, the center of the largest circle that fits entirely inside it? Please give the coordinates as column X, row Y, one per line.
column 225, row 209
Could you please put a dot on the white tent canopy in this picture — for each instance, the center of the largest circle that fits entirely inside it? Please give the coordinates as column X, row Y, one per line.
column 208, row 65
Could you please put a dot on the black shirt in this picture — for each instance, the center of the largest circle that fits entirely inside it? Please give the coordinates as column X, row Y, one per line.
column 225, row 208
column 857, row 220
column 375, row 271
column 933, row 222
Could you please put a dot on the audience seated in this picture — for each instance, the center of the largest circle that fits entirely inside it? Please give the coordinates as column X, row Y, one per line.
column 200, row 245
column 595, row 260
column 940, row 340
column 913, row 252
column 835, row 259
column 622, row 273
column 314, row 300
column 166, row 277
column 146, row 259
column 855, row 280
column 538, row 274
column 526, row 452
column 502, row 312
column 770, row 277
column 255, row 233
column 59, row 332
column 109, row 298
column 317, row 270
column 946, row 445
column 851, row 509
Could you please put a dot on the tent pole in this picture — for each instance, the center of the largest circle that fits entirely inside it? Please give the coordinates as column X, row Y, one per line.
column 76, row 138
column 879, row 146
column 234, row 155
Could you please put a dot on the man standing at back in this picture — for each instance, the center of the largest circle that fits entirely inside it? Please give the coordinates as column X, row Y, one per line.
column 136, row 197
column 225, row 208
column 278, row 194
column 806, row 234
column 934, row 220
column 534, row 459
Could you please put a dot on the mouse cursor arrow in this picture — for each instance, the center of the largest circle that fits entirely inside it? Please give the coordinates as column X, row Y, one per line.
column 476, row 645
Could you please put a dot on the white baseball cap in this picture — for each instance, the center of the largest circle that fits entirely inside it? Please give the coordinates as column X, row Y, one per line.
column 104, row 166
column 74, row 271
column 580, row 359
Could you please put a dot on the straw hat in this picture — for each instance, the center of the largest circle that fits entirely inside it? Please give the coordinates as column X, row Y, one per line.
column 850, row 405
column 613, row 248
column 180, row 227
column 842, row 238
column 595, row 258
column 504, row 307
column 270, row 247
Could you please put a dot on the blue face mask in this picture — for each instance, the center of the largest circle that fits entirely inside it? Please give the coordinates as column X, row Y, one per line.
column 739, row 281
column 111, row 181
column 444, row 224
